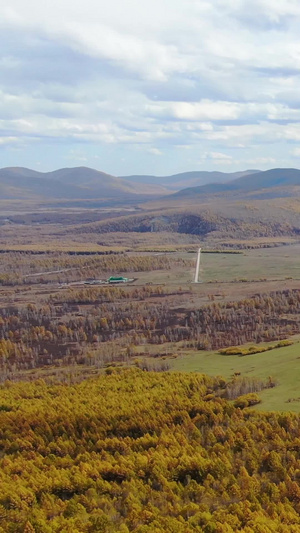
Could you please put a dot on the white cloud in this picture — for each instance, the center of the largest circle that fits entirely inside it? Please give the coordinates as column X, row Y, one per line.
column 218, row 158
column 295, row 152
column 155, row 151
column 8, row 140
column 219, row 155
column 261, row 161
column 204, row 110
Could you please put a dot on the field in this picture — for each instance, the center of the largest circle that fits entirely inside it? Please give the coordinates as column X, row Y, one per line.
column 282, row 364
column 278, row 263
column 267, row 264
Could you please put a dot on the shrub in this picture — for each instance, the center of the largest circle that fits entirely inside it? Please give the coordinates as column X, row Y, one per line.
column 247, row 400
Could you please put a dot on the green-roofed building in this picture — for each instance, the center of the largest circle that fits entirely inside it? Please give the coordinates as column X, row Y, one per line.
column 117, row 279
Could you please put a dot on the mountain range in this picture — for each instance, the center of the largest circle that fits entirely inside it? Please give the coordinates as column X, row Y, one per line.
column 82, row 183
column 196, row 178
column 274, row 183
column 70, row 183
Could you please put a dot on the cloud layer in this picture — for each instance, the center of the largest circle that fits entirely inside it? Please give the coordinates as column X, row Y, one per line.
column 157, row 87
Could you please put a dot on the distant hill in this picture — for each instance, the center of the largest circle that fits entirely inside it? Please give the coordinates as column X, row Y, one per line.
column 188, row 179
column 70, row 183
column 276, row 177
column 22, row 183
column 205, row 222
column 73, row 186
column 99, row 182
column 272, row 183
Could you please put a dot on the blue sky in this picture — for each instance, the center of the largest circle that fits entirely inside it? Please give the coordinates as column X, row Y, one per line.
column 150, row 87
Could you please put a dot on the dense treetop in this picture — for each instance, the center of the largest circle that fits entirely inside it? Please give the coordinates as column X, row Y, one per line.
column 144, row 452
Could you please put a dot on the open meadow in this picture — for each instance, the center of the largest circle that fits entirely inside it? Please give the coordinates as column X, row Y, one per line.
column 267, row 264
column 259, row 264
column 281, row 364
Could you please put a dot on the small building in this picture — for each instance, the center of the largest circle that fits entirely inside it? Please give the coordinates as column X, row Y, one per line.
column 117, row 279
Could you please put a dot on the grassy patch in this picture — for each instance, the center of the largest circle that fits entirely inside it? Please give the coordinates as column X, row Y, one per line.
column 252, row 265
column 283, row 364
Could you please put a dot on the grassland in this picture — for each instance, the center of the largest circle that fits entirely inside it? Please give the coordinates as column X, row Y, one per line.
column 270, row 263
column 283, row 364
column 279, row 263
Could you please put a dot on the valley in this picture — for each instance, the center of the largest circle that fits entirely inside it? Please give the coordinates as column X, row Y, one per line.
column 59, row 323
column 132, row 398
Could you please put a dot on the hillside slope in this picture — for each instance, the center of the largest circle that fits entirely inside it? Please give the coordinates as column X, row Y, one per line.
column 101, row 182
column 69, row 183
column 274, row 183
column 203, row 222
column 188, row 179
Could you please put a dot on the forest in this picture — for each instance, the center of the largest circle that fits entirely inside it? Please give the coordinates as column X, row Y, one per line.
column 145, row 452
column 26, row 268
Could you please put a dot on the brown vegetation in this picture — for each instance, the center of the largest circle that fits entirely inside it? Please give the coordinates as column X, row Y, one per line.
column 26, row 268
column 74, row 326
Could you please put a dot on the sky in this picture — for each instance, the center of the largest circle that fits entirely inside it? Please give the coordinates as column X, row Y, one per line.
column 150, row 87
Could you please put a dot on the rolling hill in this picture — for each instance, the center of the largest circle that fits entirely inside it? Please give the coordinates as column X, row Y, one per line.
column 87, row 187
column 274, row 183
column 70, row 183
column 258, row 206
column 87, row 183
column 188, row 179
